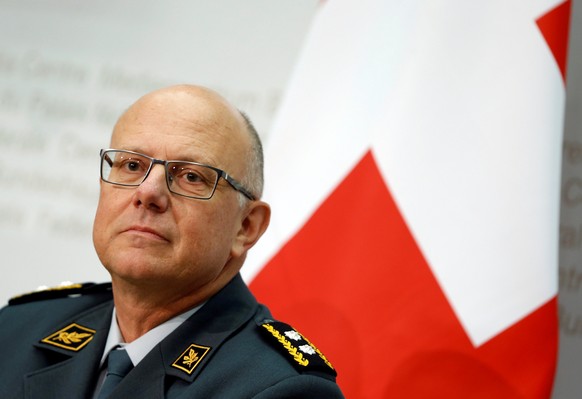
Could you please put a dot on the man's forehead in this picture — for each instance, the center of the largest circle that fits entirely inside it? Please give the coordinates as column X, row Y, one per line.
column 183, row 122
column 184, row 105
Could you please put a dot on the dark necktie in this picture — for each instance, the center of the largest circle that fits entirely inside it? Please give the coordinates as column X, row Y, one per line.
column 118, row 365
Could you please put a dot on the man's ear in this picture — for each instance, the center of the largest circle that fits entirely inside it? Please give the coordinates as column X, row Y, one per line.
column 255, row 222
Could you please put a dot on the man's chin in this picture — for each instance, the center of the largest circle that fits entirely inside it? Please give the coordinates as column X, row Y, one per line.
column 137, row 268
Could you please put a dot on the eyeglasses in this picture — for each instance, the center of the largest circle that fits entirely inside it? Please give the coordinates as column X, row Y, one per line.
column 188, row 179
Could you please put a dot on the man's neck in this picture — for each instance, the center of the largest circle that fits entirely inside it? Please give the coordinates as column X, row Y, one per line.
column 140, row 309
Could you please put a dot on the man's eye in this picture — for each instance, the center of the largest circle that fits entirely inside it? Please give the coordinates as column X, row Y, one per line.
column 132, row 166
column 193, row 178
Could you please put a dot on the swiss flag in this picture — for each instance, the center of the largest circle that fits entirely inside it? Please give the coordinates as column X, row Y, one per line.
column 413, row 172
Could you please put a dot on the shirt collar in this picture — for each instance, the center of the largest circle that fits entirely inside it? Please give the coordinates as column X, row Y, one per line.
column 140, row 347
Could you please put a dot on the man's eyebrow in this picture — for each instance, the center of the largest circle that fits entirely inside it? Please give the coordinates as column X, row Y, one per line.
column 134, row 149
column 182, row 157
column 196, row 159
column 191, row 158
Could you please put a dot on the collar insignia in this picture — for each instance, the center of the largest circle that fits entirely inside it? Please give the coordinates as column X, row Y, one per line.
column 190, row 358
column 73, row 337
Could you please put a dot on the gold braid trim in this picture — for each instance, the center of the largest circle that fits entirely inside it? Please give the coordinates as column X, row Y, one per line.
column 318, row 352
column 290, row 348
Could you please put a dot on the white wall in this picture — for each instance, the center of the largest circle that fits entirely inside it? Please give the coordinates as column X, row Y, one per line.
column 69, row 68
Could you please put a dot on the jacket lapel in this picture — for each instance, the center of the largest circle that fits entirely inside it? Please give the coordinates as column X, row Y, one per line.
column 77, row 347
column 184, row 353
column 192, row 347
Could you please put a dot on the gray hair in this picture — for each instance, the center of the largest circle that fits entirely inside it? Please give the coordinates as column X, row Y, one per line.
column 253, row 179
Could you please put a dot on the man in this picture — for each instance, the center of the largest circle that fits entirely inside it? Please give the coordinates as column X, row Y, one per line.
column 179, row 209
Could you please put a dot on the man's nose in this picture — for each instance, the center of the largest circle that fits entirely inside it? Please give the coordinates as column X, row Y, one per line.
column 153, row 192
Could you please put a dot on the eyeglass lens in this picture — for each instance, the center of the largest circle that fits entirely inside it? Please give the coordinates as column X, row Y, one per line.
column 184, row 178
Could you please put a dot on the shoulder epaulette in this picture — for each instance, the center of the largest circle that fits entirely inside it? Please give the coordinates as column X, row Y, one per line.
column 300, row 351
column 60, row 292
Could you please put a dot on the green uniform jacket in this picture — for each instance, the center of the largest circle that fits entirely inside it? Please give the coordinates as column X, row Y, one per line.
column 51, row 348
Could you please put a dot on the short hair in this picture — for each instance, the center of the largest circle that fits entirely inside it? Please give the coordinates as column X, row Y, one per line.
column 254, row 178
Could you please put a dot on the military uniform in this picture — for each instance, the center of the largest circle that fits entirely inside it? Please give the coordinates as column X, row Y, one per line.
column 230, row 348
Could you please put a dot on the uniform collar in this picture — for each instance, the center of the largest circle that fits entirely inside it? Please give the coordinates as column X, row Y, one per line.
column 75, row 374
column 139, row 348
column 189, row 348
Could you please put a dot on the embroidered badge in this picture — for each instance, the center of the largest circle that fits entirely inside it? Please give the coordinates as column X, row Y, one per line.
column 307, row 349
column 73, row 337
column 292, row 334
column 190, row 358
column 303, row 352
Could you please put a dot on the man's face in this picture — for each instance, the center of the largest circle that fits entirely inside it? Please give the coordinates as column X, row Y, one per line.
column 147, row 234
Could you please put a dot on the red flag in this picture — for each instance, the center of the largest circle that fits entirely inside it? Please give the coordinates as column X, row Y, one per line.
column 413, row 172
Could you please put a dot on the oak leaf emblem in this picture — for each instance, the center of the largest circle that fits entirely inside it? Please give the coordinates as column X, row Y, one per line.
column 72, row 337
column 191, row 357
